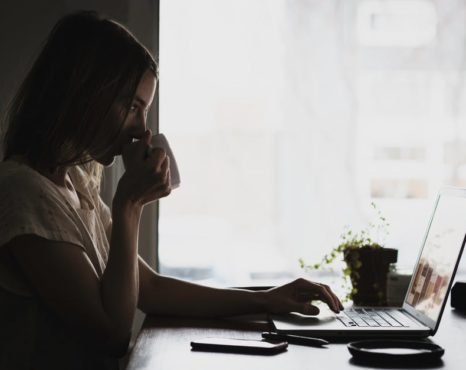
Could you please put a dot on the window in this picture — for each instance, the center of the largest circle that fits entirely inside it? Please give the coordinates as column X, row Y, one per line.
column 288, row 118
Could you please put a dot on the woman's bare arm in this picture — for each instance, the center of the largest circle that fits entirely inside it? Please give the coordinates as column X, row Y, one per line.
column 168, row 296
column 98, row 311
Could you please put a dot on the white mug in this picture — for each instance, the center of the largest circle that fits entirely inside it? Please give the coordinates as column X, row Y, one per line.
column 160, row 141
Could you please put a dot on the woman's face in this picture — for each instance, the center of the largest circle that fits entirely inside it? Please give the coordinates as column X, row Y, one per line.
column 135, row 123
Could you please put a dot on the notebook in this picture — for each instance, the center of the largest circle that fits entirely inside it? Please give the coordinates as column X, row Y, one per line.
column 427, row 294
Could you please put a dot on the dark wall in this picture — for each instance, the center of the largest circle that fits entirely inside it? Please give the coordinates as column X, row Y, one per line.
column 24, row 25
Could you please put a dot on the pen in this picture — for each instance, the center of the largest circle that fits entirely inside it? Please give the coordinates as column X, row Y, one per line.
column 295, row 339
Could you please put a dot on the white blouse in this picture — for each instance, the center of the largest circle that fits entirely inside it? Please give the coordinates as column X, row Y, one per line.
column 32, row 336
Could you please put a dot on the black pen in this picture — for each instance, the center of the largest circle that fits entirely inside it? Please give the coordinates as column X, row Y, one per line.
column 296, row 339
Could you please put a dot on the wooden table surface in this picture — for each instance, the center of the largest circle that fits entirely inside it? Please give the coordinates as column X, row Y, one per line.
column 164, row 344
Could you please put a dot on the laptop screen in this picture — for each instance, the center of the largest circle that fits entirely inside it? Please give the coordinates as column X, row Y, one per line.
column 439, row 257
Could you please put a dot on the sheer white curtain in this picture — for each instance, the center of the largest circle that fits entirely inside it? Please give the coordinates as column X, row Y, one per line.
column 289, row 117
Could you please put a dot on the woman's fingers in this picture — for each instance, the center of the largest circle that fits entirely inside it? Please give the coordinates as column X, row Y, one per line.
column 147, row 176
column 160, row 164
column 134, row 153
column 160, row 183
column 313, row 291
column 165, row 166
column 297, row 296
column 327, row 298
column 333, row 296
column 162, row 174
column 337, row 300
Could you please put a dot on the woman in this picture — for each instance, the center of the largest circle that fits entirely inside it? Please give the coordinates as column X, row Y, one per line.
column 70, row 274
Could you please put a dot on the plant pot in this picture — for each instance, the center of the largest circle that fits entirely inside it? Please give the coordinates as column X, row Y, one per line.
column 369, row 267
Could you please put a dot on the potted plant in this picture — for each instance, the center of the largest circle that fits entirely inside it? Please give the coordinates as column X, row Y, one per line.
column 366, row 260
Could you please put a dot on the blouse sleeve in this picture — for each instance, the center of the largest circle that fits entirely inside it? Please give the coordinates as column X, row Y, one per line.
column 31, row 206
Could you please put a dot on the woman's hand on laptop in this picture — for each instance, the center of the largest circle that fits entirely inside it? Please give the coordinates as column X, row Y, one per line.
column 298, row 295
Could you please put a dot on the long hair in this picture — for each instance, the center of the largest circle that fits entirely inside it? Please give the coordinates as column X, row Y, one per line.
column 60, row 114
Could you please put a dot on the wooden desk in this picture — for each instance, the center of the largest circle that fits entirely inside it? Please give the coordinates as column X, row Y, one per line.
column 164, row 344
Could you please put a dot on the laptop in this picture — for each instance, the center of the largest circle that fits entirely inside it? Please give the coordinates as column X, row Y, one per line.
column 426, row 296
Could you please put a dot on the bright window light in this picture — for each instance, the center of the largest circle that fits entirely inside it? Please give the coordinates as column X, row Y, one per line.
column 286, row 126
column 405, row 23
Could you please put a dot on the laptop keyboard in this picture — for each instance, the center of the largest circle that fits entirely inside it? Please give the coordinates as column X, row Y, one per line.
column 368, row 317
